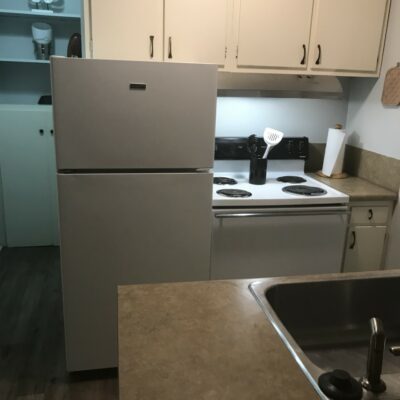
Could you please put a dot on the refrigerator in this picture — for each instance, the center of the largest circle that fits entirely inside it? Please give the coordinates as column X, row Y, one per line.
column 134, row 151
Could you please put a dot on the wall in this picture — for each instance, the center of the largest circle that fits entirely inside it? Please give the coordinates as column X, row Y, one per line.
column 375, row 127
column 294, row 117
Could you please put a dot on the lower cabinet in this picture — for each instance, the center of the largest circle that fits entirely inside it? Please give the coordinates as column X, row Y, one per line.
column 365, row 247
column 366, row 239
column 28, row 176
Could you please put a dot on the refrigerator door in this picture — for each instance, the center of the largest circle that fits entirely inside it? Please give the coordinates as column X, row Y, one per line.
column 125, row 114
column 119, row 229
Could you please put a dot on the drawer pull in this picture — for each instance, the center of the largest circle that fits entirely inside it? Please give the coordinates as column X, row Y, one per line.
column 370, row 214
column 354, row 240
column 303, row 60
column 170, row 47
column 318, row 62
column 151, row 46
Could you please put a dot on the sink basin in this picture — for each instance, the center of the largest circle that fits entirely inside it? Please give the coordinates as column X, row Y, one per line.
column 325, row 323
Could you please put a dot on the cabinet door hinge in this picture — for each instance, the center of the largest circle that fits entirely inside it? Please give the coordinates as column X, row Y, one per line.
column 91, row 47
column 226, row 51
column 237, row 51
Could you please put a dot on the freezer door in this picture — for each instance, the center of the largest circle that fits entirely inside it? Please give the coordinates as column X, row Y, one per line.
column 124, row 114
column 119, row 229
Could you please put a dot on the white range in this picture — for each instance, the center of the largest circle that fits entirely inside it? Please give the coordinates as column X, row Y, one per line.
column 269, row 231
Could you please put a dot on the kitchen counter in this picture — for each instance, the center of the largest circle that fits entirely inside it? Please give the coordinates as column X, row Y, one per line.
column 202, row 340
column 358, row 189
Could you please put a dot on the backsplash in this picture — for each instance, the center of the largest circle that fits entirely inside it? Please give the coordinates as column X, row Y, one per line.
column 373, row 167
column 294, row 117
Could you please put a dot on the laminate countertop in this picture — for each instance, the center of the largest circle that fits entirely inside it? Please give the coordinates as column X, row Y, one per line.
column 359, row 189
column 207, row 341
column 202, row 341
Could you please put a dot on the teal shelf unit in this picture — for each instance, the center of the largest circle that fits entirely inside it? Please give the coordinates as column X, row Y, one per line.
column 28, row 195
column 24, row 78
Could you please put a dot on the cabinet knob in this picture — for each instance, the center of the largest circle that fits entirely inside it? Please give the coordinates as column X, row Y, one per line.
column 318, row 62
column 370, row 214
column 51, row 132
column 41, row 132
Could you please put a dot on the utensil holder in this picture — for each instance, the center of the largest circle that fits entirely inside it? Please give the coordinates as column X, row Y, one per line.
column 258, row 171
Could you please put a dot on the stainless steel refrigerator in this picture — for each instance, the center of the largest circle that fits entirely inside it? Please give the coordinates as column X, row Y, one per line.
column 134, row 148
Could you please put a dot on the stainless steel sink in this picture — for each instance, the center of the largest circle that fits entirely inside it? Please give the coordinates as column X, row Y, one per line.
column 325, row 323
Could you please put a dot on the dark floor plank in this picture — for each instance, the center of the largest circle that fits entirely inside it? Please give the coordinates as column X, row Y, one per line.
column 32, row 353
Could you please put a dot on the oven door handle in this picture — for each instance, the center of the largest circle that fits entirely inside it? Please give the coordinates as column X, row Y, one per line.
column 287, row 213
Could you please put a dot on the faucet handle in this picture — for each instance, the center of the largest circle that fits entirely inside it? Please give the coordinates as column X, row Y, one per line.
column 395, row 350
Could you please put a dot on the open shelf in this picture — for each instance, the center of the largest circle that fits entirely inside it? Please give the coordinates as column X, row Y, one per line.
column 68, row 9
column 35, row 14
column 16, row 37
column 24, row 78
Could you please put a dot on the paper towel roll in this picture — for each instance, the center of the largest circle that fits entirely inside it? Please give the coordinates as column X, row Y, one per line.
column 334, row 152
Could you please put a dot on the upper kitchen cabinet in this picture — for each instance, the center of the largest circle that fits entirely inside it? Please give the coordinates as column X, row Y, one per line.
column 127, row 29
column 274, row 33
column 348, row 35
column 196, row 31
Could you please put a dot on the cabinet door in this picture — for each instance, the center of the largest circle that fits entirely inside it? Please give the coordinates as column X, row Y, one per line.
column 195, row 31
column 274, row 33
column 127, row 29
column 365, row 247
column 27, row 195
column 347, row 34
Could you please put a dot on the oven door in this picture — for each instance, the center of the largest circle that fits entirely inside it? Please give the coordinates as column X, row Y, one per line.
column 255, row 243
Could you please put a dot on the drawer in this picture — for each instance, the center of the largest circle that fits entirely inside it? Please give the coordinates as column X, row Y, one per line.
column 369, row 215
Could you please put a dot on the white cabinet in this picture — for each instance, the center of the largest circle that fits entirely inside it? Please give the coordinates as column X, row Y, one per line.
column 347, row 34
column 127, row 29
column 366, row 240
column 306, row 37
column 365, row 248
column 195, row 31
column 274, row 33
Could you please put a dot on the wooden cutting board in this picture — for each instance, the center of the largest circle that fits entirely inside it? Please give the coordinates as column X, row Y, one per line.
column 391, row 89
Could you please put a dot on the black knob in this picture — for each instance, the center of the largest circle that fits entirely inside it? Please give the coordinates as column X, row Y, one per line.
column 340, row 385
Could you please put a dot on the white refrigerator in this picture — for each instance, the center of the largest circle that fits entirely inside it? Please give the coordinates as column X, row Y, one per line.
column 134, row 149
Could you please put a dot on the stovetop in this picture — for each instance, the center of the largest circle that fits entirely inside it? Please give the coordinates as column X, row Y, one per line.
column 272, row 193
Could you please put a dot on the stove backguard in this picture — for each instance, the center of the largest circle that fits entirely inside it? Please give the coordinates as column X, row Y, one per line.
column 235, row 148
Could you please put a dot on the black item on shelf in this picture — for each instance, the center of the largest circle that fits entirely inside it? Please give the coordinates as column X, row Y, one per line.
column 258, row 171
column 340, row 385
column 45, row 100
column 75, row 46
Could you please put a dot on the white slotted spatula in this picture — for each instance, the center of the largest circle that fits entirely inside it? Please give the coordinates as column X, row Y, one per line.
column 272, row 137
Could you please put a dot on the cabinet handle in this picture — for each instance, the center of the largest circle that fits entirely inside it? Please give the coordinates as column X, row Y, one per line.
column 170, row 47
column 354, row 240
column 41, row 132
column 303, row 61
column 151, row 46
column 370, row 214
column 318, row 62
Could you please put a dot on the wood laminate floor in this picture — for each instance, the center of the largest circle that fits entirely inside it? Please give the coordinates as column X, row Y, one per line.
column 32, row 358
